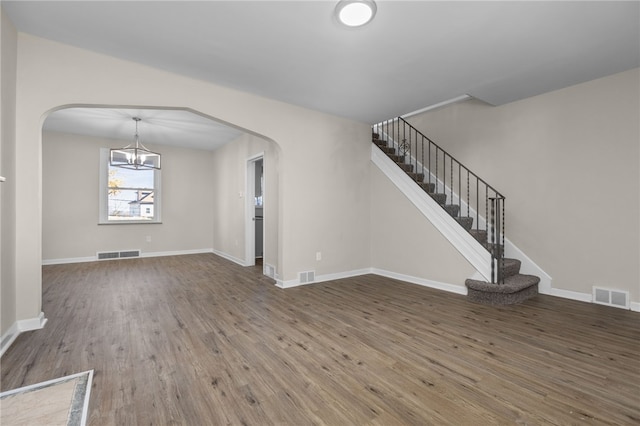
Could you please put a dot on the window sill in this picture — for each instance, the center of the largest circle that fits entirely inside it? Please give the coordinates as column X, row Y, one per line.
column 131, row 222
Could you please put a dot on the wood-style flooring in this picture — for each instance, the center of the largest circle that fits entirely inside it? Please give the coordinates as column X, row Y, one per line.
column 198, row 340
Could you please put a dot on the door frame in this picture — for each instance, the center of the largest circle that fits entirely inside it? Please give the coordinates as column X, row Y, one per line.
column 249, row 210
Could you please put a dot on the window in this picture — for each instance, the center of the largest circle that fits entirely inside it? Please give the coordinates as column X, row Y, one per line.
column 128, row 196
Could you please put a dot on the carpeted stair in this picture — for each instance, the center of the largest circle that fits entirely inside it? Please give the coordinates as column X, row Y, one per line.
column 515, row 287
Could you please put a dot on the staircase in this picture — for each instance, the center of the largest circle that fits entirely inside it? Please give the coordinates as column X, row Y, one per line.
column 437, row 173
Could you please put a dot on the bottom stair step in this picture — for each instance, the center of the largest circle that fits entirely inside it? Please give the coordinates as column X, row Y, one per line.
column 516, row 288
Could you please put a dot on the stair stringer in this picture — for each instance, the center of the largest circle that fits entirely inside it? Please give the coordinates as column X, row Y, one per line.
column 466, row 245
column 528, row 266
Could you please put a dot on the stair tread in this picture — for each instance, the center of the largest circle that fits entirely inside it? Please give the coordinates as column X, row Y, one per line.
column 511, row 284
column 465, row 221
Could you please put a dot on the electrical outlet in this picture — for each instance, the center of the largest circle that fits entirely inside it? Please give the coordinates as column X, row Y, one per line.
column 318, row 255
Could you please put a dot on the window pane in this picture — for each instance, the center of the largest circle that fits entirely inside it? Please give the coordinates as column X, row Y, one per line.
column 130, row 194
column 127, row 178
column 130, row 204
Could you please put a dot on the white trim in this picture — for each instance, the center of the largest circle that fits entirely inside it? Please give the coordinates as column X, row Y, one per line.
column 323, row 278
column 464, row 242
column 567, row 294
column 634, row 306
column 148, row 254
column 32, row 323
column 229, row 257
column 21, row 326
column 438, row 105
column 8, row 338
column 451, row 288
column 69, row 260
column 174, row 253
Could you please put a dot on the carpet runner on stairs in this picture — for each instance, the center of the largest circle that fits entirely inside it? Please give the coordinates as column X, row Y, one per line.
column 515, row 287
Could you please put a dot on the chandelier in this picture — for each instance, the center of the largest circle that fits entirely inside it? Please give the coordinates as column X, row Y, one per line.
column 135, row 157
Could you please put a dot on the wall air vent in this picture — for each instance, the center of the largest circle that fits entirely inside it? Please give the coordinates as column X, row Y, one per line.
column 307, row 277
column 269, row 270
column 611, row 297
column 104, row 255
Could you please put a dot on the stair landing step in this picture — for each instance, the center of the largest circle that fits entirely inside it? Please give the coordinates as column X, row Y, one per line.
column 511, row 284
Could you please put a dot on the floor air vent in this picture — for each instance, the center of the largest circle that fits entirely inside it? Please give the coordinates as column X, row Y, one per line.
column 610, row 297
column 307, row 277
column 118, row 254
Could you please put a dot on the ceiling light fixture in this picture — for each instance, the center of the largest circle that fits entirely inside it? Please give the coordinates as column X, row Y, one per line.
column 134, row 157
column 355, row 13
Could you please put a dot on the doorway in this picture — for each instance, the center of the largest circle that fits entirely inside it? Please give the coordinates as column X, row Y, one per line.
column 259, row 209
column 255, row 217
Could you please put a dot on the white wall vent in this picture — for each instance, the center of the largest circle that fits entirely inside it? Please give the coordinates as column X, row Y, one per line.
column 269, row 270
column 611, row 297
column 307, row 277
column 103, row 255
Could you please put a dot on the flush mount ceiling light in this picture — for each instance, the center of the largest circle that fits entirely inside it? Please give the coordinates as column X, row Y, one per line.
column 355, row 13
column 135, row 157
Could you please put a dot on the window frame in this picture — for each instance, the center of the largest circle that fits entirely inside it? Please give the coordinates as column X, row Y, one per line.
column 103, row 216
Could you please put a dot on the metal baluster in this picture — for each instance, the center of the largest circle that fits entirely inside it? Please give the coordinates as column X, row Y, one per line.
column 503, row 245
column 422, row 154
column 451, row 182
column 460, row 188
column 493, row 238
column 477, row 204
column 436, row 183
column 468, row 195
column 486, row 210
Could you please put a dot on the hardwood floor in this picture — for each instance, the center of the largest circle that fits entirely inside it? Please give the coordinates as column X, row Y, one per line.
column 198, row 340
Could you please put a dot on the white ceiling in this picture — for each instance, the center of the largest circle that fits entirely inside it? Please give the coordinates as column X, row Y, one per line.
column 412, row 55
column 158, row 126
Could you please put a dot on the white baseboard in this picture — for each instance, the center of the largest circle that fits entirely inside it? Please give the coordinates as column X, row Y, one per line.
column 175, row 252
column 234, row 259
column 323, row 278
column 142, row 254
column 451, row 288
column 8, row 338
column 69, row 260
column 21, row 326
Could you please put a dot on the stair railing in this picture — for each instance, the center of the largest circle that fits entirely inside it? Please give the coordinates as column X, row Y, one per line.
column 439, row 172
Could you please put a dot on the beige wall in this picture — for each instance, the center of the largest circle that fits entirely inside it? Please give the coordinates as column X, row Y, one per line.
column 404, row 242
column 567, row 162
column 323, row 166
column 230, row 170
column 70, row 201
column 8, row 53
